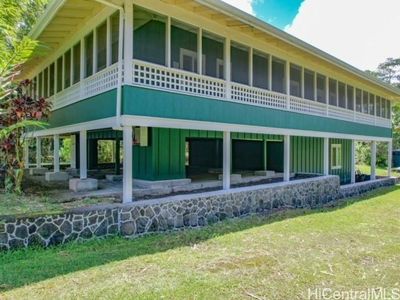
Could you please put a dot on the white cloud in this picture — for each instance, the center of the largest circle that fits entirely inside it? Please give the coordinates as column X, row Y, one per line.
column 245, row 5
column 361, row 32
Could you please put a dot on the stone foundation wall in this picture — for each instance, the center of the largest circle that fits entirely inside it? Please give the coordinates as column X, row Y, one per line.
column 352, row 190
column 172, row 213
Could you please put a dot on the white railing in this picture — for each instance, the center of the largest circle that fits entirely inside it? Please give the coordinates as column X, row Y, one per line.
column 98, row 83
column 160, row 77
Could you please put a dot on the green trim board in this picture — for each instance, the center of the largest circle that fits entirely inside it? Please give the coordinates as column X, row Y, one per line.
column 99, row 107
column 162, row 104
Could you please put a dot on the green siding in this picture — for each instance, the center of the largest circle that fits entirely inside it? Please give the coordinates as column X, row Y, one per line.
column 153, row 103
column 95, row 108
column 307, row 155
column 345, row 172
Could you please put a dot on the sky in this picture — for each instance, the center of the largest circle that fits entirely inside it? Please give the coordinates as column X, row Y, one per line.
column 360, row 32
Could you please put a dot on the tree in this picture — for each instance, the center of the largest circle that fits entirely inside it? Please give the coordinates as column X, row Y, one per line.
column 18, row 111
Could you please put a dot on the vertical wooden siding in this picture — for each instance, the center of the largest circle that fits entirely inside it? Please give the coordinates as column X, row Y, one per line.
column 307, row 155
column 345, row 172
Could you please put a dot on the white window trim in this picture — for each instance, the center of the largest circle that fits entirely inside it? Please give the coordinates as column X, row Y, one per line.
column 339, row 156
column 186, row 52
column 220, row 63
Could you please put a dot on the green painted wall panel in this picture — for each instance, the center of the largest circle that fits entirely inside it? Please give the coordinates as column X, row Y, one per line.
column 306, row 155
column 99, row 107
column 147, row 102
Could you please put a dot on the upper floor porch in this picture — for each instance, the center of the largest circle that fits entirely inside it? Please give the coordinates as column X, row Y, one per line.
column 140, row 47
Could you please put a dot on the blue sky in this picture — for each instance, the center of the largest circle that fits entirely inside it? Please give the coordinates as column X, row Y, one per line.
column 279, row 13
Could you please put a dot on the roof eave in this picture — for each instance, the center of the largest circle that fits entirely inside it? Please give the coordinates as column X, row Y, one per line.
column 50, row 11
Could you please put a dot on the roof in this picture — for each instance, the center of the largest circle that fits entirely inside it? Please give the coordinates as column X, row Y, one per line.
column 55, row 6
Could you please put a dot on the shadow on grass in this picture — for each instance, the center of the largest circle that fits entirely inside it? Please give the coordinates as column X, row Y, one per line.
column 27, row 266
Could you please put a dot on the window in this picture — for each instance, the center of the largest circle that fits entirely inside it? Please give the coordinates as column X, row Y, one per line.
column 213, row 50
column 295, row 80
column 350, row 97
column 101, row 43
column 342, row 95
column 388, row 110
column 59, row 74
column 67, row 69
column 51, row 75
column 188, row 60
column 40, row 84
column 77, row 63
column 371, row 104
column 183, row 47
column 260, row 70
column 240, row 64
column 333, row 92
column 358, row 100
column 336, row 156
column 89, row 55
column 46, row 83
column 278, row 75
column 365, row 107
column 309, row 84
column 378, row 106
column 114, row 20
column 383, row 105
column 321, row 88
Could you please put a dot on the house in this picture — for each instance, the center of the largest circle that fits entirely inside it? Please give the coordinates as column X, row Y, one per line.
column 199, row 89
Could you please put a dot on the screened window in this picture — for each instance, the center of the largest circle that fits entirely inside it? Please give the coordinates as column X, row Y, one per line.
column 371, row 104
column 213, row 52
column 67, row 69
column 89, row 55
column 46, row 83
column 365, row 102
column 278, row 75
column 59, row 74
column 51, row 79
column 333, row 92
column 260, row 70
column 114, row 20
column 183, row 47
column 350, row 97
column 342, row 95
column 101, row 43
column 321, row 88
column 295, row 80
column 41, row 84
column 77, row 62
column 35, row 86
column 358, row 100
column 309, row 87
column 383, row 110
column 240, row 64
column 388, row 110
column 149, row 37
column 378, row 106
column 336, row 156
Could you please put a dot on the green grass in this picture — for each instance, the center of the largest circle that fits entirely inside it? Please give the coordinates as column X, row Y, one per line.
column 366, row 169
column 32, row 204
column 354, row 246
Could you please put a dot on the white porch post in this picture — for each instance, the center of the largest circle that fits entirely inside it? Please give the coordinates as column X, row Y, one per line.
column 326, row 156
column 226, row 173
column 56, row 155
column 38, row 152
column 127, row 165
column 353, row 161
column 286, row 158
column 373, row 160
column 73, row 151
column 83, row 154
column 390, row 146
column 227, row 67
column 128, row 41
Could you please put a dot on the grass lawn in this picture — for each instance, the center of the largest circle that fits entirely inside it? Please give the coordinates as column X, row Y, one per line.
column 41, row 203
column 365, row 169
column 355, row 246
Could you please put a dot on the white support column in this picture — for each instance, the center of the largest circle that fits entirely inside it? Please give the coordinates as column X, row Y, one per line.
column 200, row 51
column 127, row 165
column 128, row 41
column 286, row 158
column 353, row 161
column 56, row 153
column 251, row 66
column 326, row 156
column 73, row 151
column 390, row 149
column 270, row 72
column 227, row 67
column 83, row 154
column 168, row 43
column 38, row 152
column 373, row 160
column 226, row 174
column 287, row 82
